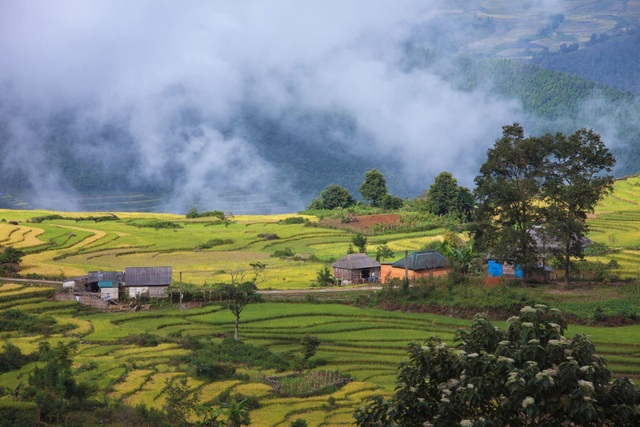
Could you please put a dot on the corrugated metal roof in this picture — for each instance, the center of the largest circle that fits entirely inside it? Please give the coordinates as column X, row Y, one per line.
column 423, row 260
column 356, row 262
column 105, row 276
column 147, row 276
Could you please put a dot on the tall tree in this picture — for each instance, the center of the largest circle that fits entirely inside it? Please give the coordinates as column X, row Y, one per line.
column 508, row 191
column 374, row 187
column 236, row 299
column 443, row 194
column 333, row 197
column 575, row 182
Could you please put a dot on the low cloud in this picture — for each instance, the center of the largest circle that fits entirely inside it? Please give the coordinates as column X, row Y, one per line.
column 157, row 94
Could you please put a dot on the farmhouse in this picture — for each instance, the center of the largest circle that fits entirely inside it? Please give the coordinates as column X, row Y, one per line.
column 356, row 268
column 151, row 281
column 416, row 265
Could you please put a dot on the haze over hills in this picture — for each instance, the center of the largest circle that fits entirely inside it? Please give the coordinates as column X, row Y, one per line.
column 256, row 108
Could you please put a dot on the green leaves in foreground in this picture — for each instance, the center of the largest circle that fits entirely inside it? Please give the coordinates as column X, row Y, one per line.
column 528, row 375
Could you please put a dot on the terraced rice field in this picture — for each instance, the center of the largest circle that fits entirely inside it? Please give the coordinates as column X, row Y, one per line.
column 74, row 245
column 366, row 343
column 617, row 224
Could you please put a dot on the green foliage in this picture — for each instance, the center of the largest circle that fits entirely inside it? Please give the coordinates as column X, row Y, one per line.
column 193, row 213
column 360, row 242
column 100, row 218
column 212, row 243
column 284, row 253
column 391, row 203
column 445, row 197
column 312, row 383
column 53, row 386
column 11, row 255
column 298, row 422
column 18, row 413
column 145, row 339
column 310, row 344
column 236, row 297
column 568, row 174
column 333, row 197
column 12, row 358
column 383, row 252
column 324, row 277
column 293, row 220
column 39, row 219
column 180, row 401
column 529, row 374
column 25, row 323
column 231, row 352
column 374, row 187
column 155, row 224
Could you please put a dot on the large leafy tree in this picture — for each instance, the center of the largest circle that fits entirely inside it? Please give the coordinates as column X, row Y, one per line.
column 576, row 180
column 508, row 191
column 374, row 187
column 527, row 375
column 445, row 197
column 333, row 197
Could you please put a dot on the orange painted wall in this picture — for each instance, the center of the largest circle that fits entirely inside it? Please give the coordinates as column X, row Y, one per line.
column 388, row 272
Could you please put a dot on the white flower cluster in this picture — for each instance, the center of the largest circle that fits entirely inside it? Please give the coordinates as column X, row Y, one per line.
column 466, row 423
column 528, row 309
column 528, row 401
column 586, row 385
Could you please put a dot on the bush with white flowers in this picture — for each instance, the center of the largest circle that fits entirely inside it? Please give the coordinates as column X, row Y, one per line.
column 528, row 375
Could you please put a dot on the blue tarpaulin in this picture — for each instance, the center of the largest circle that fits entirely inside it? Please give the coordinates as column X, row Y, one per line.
column 494, row 268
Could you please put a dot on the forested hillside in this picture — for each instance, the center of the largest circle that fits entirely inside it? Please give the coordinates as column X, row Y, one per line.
column 614, row 61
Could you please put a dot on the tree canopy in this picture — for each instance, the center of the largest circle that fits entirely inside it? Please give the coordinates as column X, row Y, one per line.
column 445, row 197
column 374, row 187
column 543, row 185
column 333, row 197
column 527, row 375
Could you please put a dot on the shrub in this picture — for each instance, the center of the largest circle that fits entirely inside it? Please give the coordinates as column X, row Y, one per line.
column 215, row 242
column 529, row 374
column 284, row 253
column 155, row 223
column 293, row 220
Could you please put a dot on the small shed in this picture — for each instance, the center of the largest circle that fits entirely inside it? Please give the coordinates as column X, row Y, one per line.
column 150, row 281
column 416, row 264
column 93, row 279
column 109, row 290
column 356, row 268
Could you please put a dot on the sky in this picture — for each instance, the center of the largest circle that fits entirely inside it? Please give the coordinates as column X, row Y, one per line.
column 155, row 90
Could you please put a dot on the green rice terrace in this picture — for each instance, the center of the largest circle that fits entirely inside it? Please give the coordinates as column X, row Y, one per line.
column 133, row 357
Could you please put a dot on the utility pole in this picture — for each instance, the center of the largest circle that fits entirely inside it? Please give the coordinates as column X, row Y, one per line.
column 181, row 290
column 405, row 282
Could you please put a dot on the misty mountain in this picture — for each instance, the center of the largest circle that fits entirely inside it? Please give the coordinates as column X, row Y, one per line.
column 256, row 108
